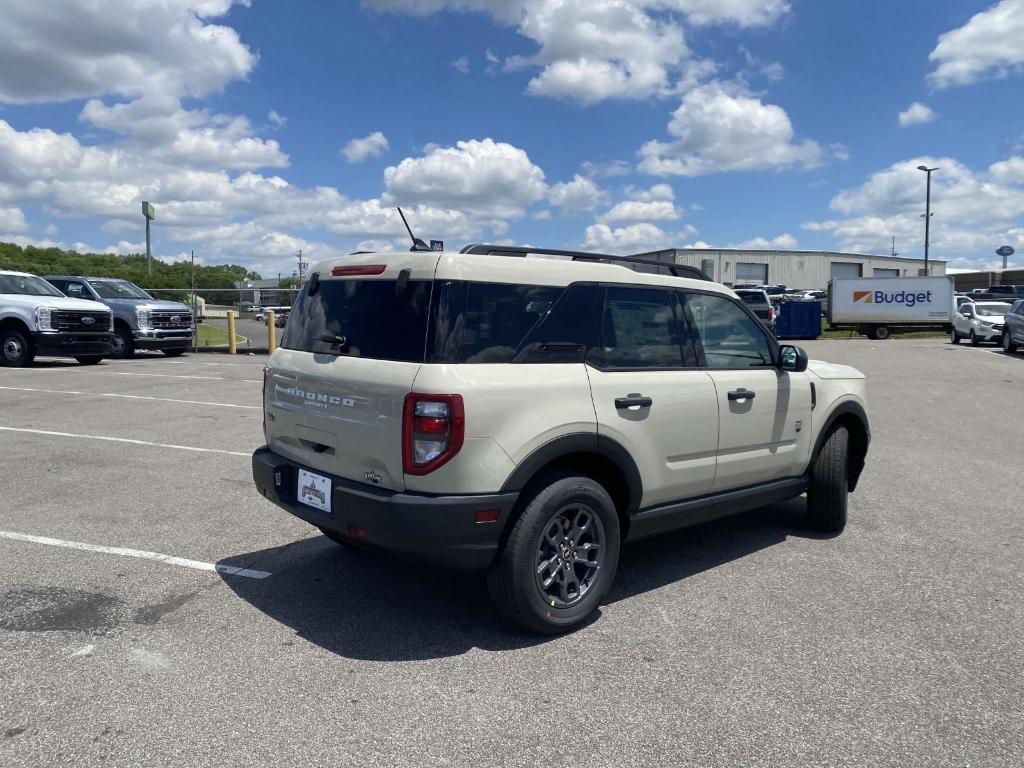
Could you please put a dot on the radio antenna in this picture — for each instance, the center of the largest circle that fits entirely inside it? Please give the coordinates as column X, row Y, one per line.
column 417, row 244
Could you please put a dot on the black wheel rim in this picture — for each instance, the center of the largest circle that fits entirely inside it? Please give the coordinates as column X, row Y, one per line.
column 570, row 555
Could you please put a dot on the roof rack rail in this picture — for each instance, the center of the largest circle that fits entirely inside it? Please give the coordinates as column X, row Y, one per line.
column 677, row 270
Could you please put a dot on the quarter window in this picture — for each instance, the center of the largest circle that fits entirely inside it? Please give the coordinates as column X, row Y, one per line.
column 640, row 329
column 731, row 338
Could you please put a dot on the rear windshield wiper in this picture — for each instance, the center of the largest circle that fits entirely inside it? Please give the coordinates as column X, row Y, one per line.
column 335, row 341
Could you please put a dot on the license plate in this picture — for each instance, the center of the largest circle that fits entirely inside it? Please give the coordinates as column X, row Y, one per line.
column 314, row 490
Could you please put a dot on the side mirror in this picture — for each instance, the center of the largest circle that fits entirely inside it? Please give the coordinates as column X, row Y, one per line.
column 792, row 359
column 967, row 312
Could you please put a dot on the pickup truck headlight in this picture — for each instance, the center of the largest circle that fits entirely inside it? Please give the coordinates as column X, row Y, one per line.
column 44, row 319
column 143, row 319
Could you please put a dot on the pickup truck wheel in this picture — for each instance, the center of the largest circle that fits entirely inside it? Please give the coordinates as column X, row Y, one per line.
column 1008, row 346
column 15, row 349
column 974, row 339
column 954, row 337
column 174, row 352
column 89, row 359
column 560, row 557
column 123, row 346
column 828, row 490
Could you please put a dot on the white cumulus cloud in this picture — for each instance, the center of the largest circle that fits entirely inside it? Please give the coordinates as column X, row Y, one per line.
column 916, row 114
column 579, row 194
column 988, row 45
column 357, row 150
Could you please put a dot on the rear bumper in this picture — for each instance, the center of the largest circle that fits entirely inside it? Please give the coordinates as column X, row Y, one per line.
column 159, row 339
column 436, row 530
column 72, row 344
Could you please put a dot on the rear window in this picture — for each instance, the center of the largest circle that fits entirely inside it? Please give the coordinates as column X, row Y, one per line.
column 362, row 318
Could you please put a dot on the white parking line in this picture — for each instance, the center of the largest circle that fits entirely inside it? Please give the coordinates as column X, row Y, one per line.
column 127, row 397
column 99, row 371
column 124, row 440
column 125, row 552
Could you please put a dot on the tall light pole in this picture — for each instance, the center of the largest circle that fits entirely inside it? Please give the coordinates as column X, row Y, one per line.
column 927, row 212
column 150, row 213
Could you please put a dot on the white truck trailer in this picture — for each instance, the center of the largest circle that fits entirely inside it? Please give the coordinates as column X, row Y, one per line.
column 881, row 306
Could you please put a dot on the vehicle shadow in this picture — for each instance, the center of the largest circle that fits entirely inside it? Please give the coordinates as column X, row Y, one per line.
column 364, row 605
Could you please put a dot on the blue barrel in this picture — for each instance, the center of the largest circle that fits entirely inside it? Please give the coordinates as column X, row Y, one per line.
column 799, row 320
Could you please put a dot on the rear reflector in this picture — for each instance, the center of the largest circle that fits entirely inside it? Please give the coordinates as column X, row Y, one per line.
column 365, row 269
column 356, row 530
column 487, row 516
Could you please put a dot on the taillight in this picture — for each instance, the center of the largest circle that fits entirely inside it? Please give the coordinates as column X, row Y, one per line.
column 359, row 269
column 771, row 313
column 433, row 428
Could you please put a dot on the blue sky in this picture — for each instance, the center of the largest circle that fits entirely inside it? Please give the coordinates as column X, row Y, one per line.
column 260, row 127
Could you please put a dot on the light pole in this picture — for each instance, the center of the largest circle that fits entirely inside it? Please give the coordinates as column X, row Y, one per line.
column 927, row 212
column 150, row 213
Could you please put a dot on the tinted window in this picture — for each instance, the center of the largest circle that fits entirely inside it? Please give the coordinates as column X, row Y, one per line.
column 361, row 318
column 501, row 323
column 753, row 298
column 118, row 289
column 76, row 290
column 731, row 338
column 639, row 329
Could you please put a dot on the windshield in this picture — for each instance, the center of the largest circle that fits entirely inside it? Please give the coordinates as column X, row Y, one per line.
column 118, row 289
column 27, row 285
column 753, row 298
column 991, row 310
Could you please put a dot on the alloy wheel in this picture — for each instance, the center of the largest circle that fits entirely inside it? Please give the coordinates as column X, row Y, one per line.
column 570, row 555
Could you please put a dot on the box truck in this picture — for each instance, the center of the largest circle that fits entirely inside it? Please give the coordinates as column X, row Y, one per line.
column 881, row 306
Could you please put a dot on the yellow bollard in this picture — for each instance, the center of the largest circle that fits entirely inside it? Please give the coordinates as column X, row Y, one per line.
column 271, row 332
column 231, row 332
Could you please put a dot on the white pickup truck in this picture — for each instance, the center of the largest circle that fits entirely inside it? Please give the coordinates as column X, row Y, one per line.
column 37, row 319
column 881, row 306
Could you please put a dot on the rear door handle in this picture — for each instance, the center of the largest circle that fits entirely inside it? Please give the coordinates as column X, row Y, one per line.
column 741, row 394
column 633, row 400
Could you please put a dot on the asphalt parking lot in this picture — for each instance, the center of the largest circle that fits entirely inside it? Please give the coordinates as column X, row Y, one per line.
column 747, row 641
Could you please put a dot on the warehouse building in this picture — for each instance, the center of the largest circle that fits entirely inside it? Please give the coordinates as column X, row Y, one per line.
column 808, row 270
column 969, row 281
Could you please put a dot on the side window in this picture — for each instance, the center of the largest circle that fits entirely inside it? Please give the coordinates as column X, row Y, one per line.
column 640, row 329
column 731, row 338
column 60, row 285
column 76, row 290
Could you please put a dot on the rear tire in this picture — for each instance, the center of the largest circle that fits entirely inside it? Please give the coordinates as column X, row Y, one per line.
column 828, row 489
column 1009, row 347
column 560, row 558
column 174, row 352
column 974, row 339
column 882, row 332
column 954, row 337
column 89, row 359
column 123, row 347
column 16, row 350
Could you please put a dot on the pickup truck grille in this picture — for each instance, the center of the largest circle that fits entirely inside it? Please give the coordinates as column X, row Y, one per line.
column 172, row 319
column 82, row 321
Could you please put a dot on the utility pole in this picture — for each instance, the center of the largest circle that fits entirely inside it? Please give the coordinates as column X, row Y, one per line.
column 302, row 264
column 894, row 246
column 150, row 213
column 927, row 212
column 195, row 306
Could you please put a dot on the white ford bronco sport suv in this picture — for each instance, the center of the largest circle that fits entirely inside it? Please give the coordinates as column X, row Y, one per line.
column 37, row 319
column 526, row 416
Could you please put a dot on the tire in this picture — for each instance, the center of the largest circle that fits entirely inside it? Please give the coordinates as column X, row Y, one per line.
column 954, row 337
column 828, row 489
column 882, row 332
column 550, row 601
column 89, row 359
column 174, row 352
column 16, row 349
column 1009, row 347
column 123, row 347
column 974, row 339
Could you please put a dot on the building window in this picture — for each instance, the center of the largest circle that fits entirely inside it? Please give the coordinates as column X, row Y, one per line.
column 846, row 269
column 751, row 273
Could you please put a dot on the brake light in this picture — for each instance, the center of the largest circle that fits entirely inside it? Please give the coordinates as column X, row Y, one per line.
column 433, row 429
column 364, row 269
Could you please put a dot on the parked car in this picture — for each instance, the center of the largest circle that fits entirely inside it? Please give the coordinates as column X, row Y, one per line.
column 140, row 321
column 37, row 319
column 979, row 321
column 999, row 293
column 761, row 306
column 1013, row 328
column 280, row 319
column 522, row 418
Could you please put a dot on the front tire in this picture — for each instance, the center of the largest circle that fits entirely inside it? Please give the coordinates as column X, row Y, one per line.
column 89, row 359
column 974, row 339
column 560, row 558
column 1009, row 347
column 828, row 490
column 954, row 337
column 123, row 346
column 16, row 349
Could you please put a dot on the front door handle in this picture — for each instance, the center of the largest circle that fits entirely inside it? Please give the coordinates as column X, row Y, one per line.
column 633, row 400
column 741, row 394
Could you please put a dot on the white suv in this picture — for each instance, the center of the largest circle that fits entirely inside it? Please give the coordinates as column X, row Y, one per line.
column 979, row 321
column 525, row 416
